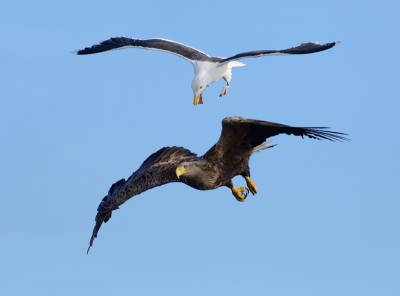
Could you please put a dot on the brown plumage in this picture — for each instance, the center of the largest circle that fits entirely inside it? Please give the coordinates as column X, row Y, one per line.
column 229, row 157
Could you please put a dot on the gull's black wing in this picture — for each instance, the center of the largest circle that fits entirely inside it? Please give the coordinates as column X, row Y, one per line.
column 304, row 48
column 188, row 53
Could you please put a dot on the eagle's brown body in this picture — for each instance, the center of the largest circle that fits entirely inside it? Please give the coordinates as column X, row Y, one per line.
column 228, row 158
column 221, row 169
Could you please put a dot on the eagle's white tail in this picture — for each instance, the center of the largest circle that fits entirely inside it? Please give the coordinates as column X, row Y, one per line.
column 263, row 146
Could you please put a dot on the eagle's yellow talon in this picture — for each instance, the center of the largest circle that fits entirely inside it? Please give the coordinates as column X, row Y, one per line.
column 240, row 193
column 252, row 186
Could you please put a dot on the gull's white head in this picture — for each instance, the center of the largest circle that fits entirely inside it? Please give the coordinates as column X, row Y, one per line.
column 199, row 84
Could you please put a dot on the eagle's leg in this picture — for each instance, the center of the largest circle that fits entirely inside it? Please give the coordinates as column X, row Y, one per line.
column 240, row 193
column 252, row 186
column 225, row 89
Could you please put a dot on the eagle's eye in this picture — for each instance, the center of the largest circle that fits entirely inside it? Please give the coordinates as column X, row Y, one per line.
column 185, row 166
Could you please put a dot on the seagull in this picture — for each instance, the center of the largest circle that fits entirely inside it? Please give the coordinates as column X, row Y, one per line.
column 206, row 69
column 227, row 158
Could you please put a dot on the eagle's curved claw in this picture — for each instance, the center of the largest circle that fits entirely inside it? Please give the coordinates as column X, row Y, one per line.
column 252, row 186
column 240, row 193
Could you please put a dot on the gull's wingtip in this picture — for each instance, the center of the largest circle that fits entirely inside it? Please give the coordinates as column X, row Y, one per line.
column 334, row 43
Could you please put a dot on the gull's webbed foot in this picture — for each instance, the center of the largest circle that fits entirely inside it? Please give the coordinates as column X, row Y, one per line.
column 252, row 186
column 240, row 193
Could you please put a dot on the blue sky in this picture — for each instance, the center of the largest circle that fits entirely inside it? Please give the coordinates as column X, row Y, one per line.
column 326, row 219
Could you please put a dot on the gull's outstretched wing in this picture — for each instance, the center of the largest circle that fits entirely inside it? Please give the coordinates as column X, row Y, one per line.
column 158, row 169
column 304, row 48
column 188, row 53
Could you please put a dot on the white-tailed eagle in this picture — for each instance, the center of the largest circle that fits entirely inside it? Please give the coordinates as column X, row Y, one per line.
column 229, row 157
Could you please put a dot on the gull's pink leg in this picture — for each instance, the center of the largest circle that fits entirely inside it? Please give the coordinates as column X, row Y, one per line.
column 224, row 90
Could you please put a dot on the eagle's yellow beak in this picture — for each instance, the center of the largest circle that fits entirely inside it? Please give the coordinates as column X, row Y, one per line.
column 180, row 171
column 198, row 99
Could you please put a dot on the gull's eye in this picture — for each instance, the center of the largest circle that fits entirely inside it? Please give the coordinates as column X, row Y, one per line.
column 201, row 87
column 207, row 86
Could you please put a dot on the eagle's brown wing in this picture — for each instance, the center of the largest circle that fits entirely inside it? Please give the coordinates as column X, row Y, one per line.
column 248, row 133
column 158, row 169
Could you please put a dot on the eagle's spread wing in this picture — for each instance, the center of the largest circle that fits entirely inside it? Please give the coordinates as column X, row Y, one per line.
column 304, row 48
column 188, row 53
column 158, row 169
column 248, row 133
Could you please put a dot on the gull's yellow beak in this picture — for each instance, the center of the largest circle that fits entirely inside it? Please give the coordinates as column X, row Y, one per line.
column 180, row 171
column 198, row 99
